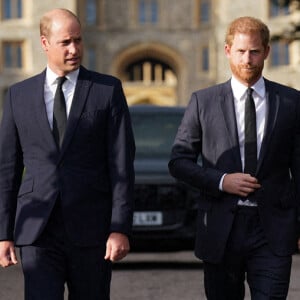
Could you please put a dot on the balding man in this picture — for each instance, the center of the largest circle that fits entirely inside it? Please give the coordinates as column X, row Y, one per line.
column 66, row 171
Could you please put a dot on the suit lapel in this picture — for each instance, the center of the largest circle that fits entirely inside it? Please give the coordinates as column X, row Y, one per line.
column 227, row 106
column 272, row 98
column 79, row 99
column 39, row 108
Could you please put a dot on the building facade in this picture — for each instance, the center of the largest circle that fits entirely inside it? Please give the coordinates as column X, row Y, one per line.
column 162, row 50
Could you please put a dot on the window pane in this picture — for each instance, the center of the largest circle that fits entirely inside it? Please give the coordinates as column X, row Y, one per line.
column 148, row 11
column 205, row 59
column 92, row 59
column 7, row 56
column 280, row 53
column 154, row 11
column 154, row 134
column 12, row 55
column 279, row 7
column 12, row 9
column 19, row 9
column 91, row 12
column 205, row 11
column 18, row 56
column 7, row 9
column 142, row 11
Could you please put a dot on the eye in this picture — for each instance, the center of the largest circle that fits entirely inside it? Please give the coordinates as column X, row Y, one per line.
column 65, row 43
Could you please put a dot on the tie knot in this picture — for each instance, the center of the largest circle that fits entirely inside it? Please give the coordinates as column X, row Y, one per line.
column 249, row 92
column 60, row 81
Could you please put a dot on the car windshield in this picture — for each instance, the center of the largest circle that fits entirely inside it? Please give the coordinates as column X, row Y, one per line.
column 154, row 133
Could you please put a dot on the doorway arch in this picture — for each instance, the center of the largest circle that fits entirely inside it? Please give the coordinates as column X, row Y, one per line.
column 151, row 74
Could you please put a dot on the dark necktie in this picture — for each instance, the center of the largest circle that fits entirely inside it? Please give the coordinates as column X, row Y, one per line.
column 59, row 112
column 250, row 135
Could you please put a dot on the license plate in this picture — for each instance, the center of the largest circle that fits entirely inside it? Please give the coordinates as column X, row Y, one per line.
column 149, row 218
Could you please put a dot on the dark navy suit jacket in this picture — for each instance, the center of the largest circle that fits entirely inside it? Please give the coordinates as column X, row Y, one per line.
column 92, row 174
column 209, row 128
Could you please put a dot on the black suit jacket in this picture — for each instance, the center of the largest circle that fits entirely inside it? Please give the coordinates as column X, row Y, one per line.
column 209, row 128
column 92, row 173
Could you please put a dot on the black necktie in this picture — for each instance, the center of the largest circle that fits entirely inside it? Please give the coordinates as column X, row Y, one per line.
column 59, row 112
column 250, row 135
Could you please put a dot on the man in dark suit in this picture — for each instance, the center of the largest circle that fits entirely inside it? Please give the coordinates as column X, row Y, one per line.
column 65, row 186
column 250, row 172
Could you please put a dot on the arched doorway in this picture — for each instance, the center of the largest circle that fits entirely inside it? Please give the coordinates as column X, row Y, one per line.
column 150, row 74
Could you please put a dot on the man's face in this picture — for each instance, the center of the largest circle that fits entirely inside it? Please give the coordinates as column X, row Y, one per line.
column 246, row 57
column 63, row 47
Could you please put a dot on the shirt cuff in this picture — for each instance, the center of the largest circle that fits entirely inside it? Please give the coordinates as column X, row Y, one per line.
column 221, row 182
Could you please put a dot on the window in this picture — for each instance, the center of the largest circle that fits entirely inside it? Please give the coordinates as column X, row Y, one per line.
column 154, row 132
column 12, row 54
column 279, row 7
column 148, row 11
column 205, row 59
column 91, row 12
column 91, row 58
column 204, row 13
column 279, row 53
column 11, row 9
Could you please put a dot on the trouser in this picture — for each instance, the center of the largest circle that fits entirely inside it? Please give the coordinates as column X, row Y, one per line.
column 53, row 261
column 248, row 256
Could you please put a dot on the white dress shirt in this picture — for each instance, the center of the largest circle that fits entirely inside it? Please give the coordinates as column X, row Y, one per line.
column 259, row 96
column 50, row 86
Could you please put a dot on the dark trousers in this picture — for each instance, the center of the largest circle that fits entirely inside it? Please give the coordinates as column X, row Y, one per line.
column 249, row 257
column 53, row 261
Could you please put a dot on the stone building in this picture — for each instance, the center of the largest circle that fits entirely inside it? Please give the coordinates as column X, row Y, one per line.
column 162, row 50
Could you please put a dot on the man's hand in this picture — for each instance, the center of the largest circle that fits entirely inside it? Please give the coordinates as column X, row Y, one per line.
column 240, row 184
column 8, row 255
column 117, row 246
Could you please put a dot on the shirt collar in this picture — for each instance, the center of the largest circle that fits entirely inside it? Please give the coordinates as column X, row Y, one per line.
column 239, row 89
column 51, row 76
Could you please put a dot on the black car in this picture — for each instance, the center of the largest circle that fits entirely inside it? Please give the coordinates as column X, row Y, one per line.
column 165, row 209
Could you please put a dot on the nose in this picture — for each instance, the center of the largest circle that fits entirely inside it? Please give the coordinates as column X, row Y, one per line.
column 72, row 48
column 247, row 57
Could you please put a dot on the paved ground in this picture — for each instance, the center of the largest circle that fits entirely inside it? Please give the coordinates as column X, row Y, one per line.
column 160, row 276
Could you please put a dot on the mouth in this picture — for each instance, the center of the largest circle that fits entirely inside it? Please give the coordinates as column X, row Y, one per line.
column 73, row 60
column 248, row 69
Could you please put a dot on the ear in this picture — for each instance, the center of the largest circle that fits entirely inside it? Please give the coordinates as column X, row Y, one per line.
column 44, row 43
column 227, row 50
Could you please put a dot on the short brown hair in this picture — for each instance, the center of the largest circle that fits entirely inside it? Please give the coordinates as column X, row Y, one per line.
column 47, row 19
column 247, row 25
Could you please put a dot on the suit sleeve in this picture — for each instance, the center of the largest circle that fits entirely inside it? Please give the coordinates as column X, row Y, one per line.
column 295, row 163
column 11, row 169
column 121, row 149
column 187, row 148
